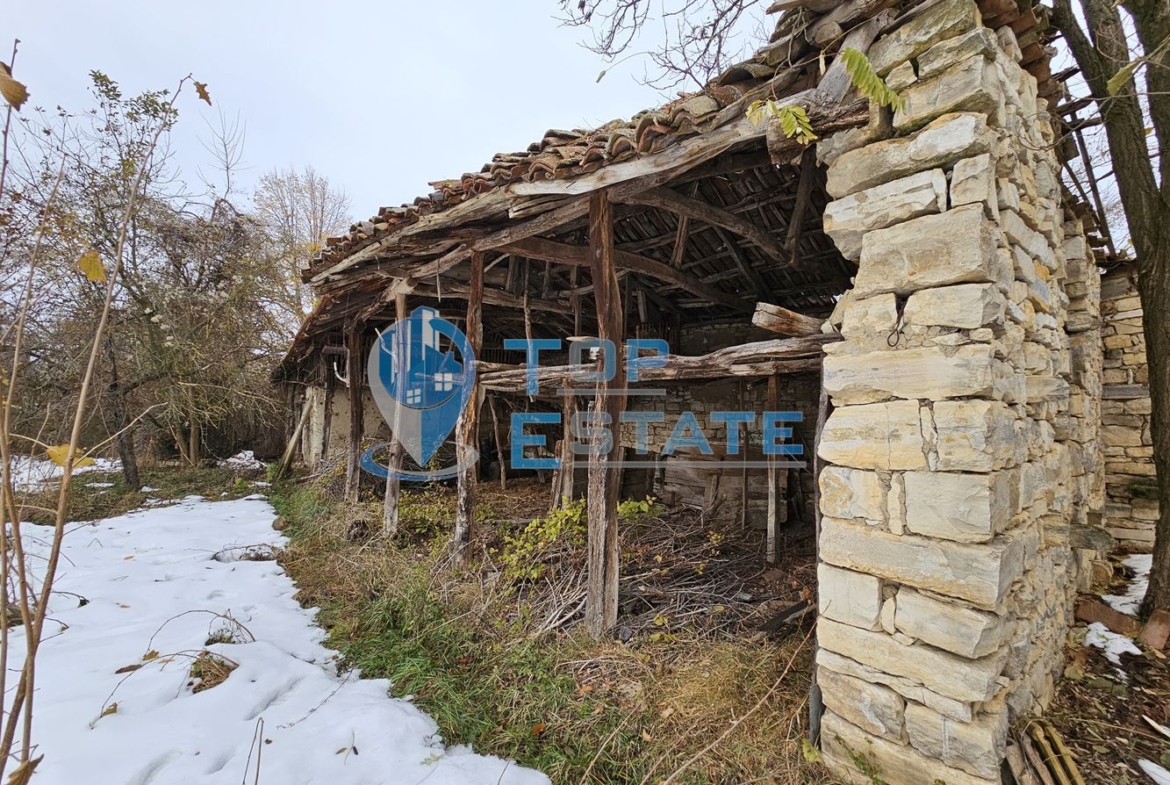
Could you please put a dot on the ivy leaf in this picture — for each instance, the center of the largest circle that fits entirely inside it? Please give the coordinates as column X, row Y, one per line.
column 14, row 92
column 201, row 91
column 90, row 263
column 60, row 454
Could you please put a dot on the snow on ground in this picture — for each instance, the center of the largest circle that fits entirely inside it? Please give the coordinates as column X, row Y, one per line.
column 1111, row 643
column 1132, row 599
column 34, row 474
column 241, row 460
column 150, row 581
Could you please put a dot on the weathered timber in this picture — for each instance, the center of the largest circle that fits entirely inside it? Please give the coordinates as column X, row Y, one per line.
column 744, row 264
column 825, row 119
column 467, row 428
column 497, row 433
column 327, row 417
column 355, row 374
column 540, row 248
column 696, row 209
column 397, row 450
column 816, row 6
column 778, row 319
column 836, row 82
column 601, row 587
column 290, row 449
column 774, row 502
column 827, row 29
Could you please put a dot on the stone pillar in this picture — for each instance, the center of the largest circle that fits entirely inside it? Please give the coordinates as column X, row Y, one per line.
column 949, row 485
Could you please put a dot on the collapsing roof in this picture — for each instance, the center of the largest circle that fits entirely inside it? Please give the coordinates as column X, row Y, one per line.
column 714, row 213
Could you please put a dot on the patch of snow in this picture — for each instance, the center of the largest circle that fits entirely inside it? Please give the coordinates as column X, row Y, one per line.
column 1132, row 599
column 259, row 484
column 152, row 585
column 30, row 475
column 1155, row 772
column 245, row 459
column 1111, row 643
column 148, row 489
column 100, row 484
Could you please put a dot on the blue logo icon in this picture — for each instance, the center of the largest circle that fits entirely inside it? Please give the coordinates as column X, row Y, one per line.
column 422, row 373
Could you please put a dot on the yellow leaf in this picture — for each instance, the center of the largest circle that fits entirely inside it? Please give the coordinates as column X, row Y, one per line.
column 201, row 91
column 811, row 753
column 150, row 655
column 59, row 454
column 90, row 263
column 111, row 709
column 660, row 620
column 23, row 773
column 538, row 728
column 14, row 93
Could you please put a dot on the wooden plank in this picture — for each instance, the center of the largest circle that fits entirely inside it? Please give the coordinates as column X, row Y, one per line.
column 577, row 255
column 501, row 455
column 397, row 455
column 744, row 264
column 830, row 27
column 467, row 427
column 355, row 373
column 327, row 417
column 781, row 320
column 774, row 502
column 696, row 209
column 601, row 592
column 836, row 82
column 804, row 189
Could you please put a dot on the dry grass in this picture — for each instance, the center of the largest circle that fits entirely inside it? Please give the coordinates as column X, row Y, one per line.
column 503, row 665
column 209, row 670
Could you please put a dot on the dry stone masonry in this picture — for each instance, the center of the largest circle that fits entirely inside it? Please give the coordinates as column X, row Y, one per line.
column 962, row 444
column 1131, row 510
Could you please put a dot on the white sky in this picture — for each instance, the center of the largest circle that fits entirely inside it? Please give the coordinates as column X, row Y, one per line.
column 378, row 96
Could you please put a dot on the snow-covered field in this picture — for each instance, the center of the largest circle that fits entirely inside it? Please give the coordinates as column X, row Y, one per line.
column 34, row 474
column 150, row 584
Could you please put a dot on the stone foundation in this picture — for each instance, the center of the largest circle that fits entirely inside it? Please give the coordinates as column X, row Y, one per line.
column 962, row 443
column 1127, row 442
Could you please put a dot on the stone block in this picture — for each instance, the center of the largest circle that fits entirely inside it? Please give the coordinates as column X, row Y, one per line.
column 1155, row 631
column 957, row 246
column 973, row 182
column 967, row 306
column 907, row 688
column 970, row 86
column 849, row 597
column 954, row 628
column 951, row 51
column 980, row 574
column 977, row 748
column 901, row 77
column 932, row 373
column 873, row 708
column 947, row 19
column 955, row 677
column 899, row 764
column 942, row 142
column 883, row 436
column 865, row 318
column 975, row 436
column 852, row 493
column 958, row 507
column 848, row 219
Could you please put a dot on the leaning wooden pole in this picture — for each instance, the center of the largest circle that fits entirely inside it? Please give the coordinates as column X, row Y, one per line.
column 467, row 429
column 355, row 373
column 397, row 451
column 601, row 596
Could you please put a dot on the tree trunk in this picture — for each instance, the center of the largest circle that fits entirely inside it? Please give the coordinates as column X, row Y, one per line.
column 1154, row 287
column 193, row 441
column 124, row 435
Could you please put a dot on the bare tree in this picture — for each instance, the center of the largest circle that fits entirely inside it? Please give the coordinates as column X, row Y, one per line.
column 698, row 39
column 299, row 210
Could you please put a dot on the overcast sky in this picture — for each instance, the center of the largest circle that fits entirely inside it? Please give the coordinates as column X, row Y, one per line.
column 381, row 97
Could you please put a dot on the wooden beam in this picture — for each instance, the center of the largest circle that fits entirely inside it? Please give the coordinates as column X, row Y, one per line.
column 355, row 372
column 781, row 320
column 602, row 564
column 467, row 427
column 744, row 264
column 397, row 454
column 830, row 27
column 774, row 502
column 577, row 255
column 696, row 209
column 808, row 173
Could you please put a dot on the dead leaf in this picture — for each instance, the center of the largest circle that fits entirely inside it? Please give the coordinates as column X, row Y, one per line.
column 538, row 728
column 23, row 773
column 15, row 93
column 646, row 735
column 60, row 453
column 111, row 709
column 150, row 655
column 201, row 91
column 90, row 263
column 129, row 668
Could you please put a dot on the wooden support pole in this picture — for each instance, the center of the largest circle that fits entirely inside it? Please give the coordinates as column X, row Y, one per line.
column 773, row 478
column 565, row 487
column 327, row 417
column 781, row 320
column 467, row 429
column 501, row 455
column 397, row 450
column 290, row 449
column 355, row 374
column 601, row 596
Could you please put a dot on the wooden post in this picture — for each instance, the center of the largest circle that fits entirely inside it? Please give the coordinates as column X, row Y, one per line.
column 327, row 417
column 290, row 449
column 601, row 596
column 467, row 429
column 397, row 450
column 773, row 480
column 355, row 372
column 565, row 487
column 501, row 456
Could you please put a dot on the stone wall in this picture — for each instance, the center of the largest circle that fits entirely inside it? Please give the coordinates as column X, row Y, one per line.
column 961, row 444
column 1126, row 439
